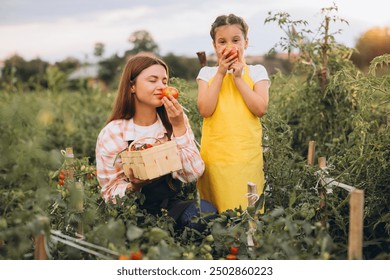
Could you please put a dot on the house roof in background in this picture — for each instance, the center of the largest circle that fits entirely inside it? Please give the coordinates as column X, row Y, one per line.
column 85, row 72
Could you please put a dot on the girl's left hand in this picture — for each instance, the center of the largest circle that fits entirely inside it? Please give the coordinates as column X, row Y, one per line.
column 237, row 66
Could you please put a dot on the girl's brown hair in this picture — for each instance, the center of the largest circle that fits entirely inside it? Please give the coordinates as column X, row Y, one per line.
column 228, row 20
column 124, row 104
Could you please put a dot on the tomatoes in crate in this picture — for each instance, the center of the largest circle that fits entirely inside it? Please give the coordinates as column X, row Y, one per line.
column 142, row 147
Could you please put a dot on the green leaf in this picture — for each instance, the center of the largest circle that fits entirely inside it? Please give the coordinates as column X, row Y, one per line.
column 133, row 232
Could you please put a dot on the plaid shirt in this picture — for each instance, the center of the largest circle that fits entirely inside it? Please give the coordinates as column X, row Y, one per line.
column 114, row 138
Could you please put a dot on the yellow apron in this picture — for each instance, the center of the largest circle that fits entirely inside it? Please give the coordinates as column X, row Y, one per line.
column 231, row 147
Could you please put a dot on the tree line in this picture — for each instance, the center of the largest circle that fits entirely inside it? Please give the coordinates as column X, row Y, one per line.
column 33, row 75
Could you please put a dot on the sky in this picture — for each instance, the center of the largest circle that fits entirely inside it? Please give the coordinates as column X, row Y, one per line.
column 53, row 30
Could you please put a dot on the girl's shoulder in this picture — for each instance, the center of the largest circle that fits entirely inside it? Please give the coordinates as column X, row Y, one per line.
column 207, row 72
column 256, row 68
column 258, row 73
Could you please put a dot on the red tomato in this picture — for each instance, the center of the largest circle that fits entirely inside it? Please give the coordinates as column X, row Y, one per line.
column 231, row 51
column 123, row 257
column 136, row 255
column 62, row 175
column 168, row 91
column 231, row 257
column 233, row 250
column 61, row 182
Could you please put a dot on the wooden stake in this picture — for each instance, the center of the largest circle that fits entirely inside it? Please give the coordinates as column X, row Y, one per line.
column 39, row 247
column 79, row 205
column 252, row 189
column 322, row 165
column 310, row 153
column 69, row 170
column 202, row 58
column 322, row 162
column 355, row 241
column 325, row 48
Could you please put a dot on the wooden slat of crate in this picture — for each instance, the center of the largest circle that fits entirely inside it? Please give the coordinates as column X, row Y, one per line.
column 153, row 162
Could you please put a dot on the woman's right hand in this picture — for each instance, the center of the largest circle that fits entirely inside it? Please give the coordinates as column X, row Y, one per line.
column 175, row 115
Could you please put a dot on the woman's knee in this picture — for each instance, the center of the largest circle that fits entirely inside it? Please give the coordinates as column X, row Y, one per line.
column 193, row 211
column 207, row 207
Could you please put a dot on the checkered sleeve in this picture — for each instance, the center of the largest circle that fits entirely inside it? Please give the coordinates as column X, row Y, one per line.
column 109, row 165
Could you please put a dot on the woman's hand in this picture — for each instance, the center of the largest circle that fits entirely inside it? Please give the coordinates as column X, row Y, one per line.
column 136, row 184
column 175, row 115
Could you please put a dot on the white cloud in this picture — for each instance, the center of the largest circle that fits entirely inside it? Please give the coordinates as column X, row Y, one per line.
column 181, row 27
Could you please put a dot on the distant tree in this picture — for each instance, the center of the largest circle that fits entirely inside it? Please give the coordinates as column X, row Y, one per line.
column 99, row 50
column 142, row 41
column 32, row 73
column 110, row 69
column 67, row 65
column 373, row 43
column 182, row 67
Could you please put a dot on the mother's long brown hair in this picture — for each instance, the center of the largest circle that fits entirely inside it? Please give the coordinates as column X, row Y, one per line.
column 124, row 104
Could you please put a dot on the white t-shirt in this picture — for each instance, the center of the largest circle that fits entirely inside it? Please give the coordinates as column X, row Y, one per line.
column 256, row 72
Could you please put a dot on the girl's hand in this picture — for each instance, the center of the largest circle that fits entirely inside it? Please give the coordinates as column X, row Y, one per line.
column 235, row 62
column 175, row 115
column 237, row 67
column 225, row 62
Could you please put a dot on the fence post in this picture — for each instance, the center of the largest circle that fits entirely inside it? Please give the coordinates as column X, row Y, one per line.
column 202, row 58
column 252, row 198
column 76, row 188
column 69, row 168
column 310, row 153
column 355, row 241
column 39, row 247
column 322, row 166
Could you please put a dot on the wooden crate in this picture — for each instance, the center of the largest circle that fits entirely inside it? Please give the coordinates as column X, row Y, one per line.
column 159, row 160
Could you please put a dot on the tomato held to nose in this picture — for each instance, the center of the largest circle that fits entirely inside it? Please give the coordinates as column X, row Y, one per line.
column 170, row 91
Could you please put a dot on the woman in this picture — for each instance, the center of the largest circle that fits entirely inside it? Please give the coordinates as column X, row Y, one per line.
column 141, row 111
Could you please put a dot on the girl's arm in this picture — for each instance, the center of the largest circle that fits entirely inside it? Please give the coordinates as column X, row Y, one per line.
column 256, row 99
column 208, row 95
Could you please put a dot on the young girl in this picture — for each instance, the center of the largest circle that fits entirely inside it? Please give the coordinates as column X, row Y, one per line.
column 231, row 97
column 138, row 112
